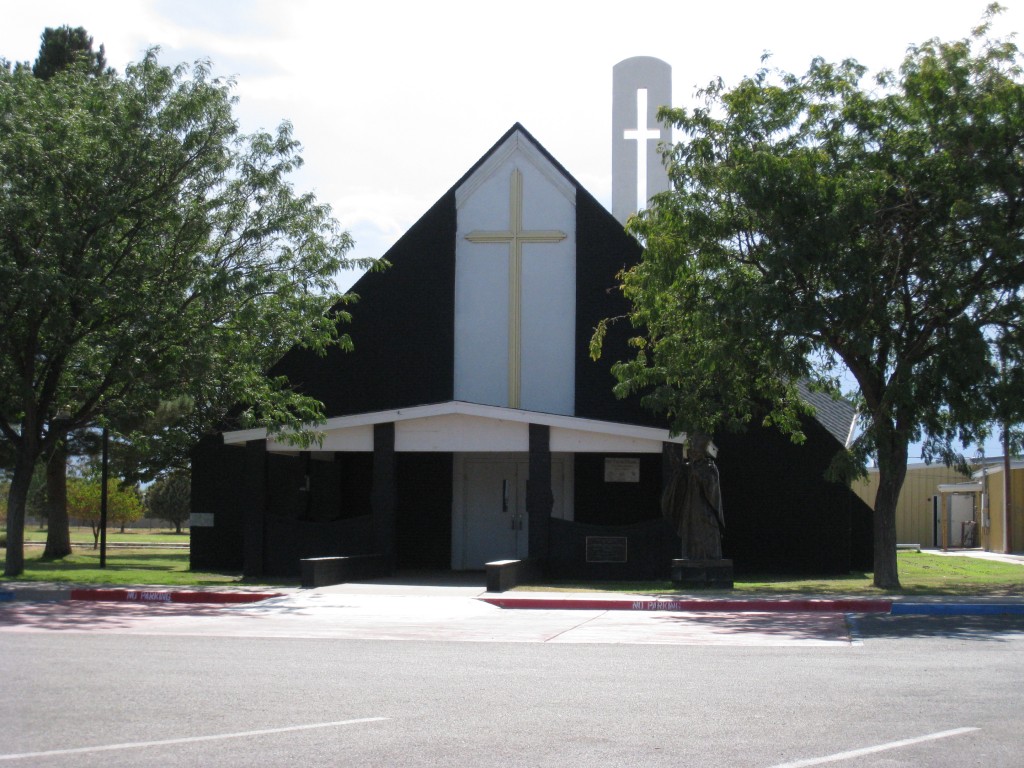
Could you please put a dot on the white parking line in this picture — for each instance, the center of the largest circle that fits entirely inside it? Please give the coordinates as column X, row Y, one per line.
column 871, row 750
column 185, row 740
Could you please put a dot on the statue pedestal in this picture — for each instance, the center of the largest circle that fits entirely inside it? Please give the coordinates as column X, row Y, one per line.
column 702, row 574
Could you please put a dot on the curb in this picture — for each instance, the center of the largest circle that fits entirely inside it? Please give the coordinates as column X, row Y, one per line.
column 161, row 596
column 803, row 605
column 806, row 605
column 956, row 609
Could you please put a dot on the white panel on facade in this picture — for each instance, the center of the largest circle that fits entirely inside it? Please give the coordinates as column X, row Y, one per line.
column 575, row 441
column 549, row 329
column 481, row 325
column 462, row 426
column 515, row 292
column 351, row 439
column 457, row 432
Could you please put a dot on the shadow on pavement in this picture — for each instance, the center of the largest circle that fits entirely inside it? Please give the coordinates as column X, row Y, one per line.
column 993, row 628
column 75, row 615
column 429, row 578
column 799, row 626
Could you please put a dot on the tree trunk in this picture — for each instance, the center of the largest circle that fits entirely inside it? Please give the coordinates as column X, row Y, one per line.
column 58, row 529
column 17, row 497
column 892, row 471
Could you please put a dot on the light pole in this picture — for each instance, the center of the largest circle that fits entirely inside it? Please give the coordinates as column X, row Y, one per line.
column 103, row 497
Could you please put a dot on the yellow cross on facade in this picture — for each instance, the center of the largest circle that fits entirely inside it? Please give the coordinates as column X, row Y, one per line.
column 515, row 236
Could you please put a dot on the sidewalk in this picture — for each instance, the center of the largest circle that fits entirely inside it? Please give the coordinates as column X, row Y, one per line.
column 978, row 553
column 471, row 587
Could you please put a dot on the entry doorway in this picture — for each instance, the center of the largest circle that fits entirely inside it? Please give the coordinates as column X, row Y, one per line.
column 956, row 520
column 489, row 517
column 496, row 524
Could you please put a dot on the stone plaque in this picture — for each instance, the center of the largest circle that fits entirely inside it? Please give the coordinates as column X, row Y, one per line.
column 622, row 470
column 606, row 549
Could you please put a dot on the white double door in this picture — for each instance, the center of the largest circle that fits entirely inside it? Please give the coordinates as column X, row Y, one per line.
column 496, row 526
column 490, row 521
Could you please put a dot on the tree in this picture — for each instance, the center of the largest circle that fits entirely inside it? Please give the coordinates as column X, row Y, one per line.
column 817, row 223
column 84, row 503
column 62, row 47
column 168, row 498
column 148, row 250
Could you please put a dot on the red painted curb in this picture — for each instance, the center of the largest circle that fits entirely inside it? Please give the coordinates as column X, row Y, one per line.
column 774, row 606
column 161, row 596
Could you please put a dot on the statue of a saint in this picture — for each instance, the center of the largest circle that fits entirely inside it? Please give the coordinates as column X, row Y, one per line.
column 692, row 502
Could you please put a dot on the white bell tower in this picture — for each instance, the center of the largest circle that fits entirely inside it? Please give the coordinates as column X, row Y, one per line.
column 639, row 86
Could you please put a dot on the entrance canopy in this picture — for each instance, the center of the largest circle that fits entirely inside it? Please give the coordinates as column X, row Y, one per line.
column 457, row 426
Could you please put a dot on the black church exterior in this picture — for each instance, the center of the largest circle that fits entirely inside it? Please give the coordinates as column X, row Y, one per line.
column 470, row 424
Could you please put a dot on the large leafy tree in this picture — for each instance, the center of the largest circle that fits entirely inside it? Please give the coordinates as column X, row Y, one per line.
column 822, row 223
column 60, row 48
column 148, row 250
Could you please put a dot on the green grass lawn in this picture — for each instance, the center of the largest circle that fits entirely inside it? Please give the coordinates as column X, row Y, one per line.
column 920, row 574
column 83, row 535
column 143, row 567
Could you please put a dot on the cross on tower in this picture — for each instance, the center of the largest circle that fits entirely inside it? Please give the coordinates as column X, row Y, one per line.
column 515, row 236
column 642, row 135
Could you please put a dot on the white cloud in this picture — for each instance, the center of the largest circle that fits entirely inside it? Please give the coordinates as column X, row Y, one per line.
column 394, row 101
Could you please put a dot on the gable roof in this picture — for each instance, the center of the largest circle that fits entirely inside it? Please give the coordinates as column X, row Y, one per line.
column 403, row 325
column 517, row 128
column 838, row 416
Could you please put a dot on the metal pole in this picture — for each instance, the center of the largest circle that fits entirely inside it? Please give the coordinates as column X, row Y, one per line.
column 103, row 497
column 1007, row 467
column 1007, row 488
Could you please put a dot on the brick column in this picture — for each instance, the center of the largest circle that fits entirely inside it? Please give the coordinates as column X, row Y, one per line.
column 539, row 498
column 255, row 506
column 384, row 494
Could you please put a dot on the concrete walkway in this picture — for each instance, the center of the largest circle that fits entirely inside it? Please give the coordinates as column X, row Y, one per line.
column 460, row 586
column 981, row 554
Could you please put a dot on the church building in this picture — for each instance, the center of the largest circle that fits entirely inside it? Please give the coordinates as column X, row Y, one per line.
column 470, row 424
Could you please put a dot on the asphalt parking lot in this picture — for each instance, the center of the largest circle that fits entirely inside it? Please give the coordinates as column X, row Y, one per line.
column 420, row 675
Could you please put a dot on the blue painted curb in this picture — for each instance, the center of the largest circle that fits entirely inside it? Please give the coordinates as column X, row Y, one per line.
column 6, row 596
column 956, row 609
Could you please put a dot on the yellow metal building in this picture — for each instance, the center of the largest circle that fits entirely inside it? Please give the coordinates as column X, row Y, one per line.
column 915, row 513
column 916, row 521
column 993, row 513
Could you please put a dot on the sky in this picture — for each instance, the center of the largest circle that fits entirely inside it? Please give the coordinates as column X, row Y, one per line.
column 393, row 100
